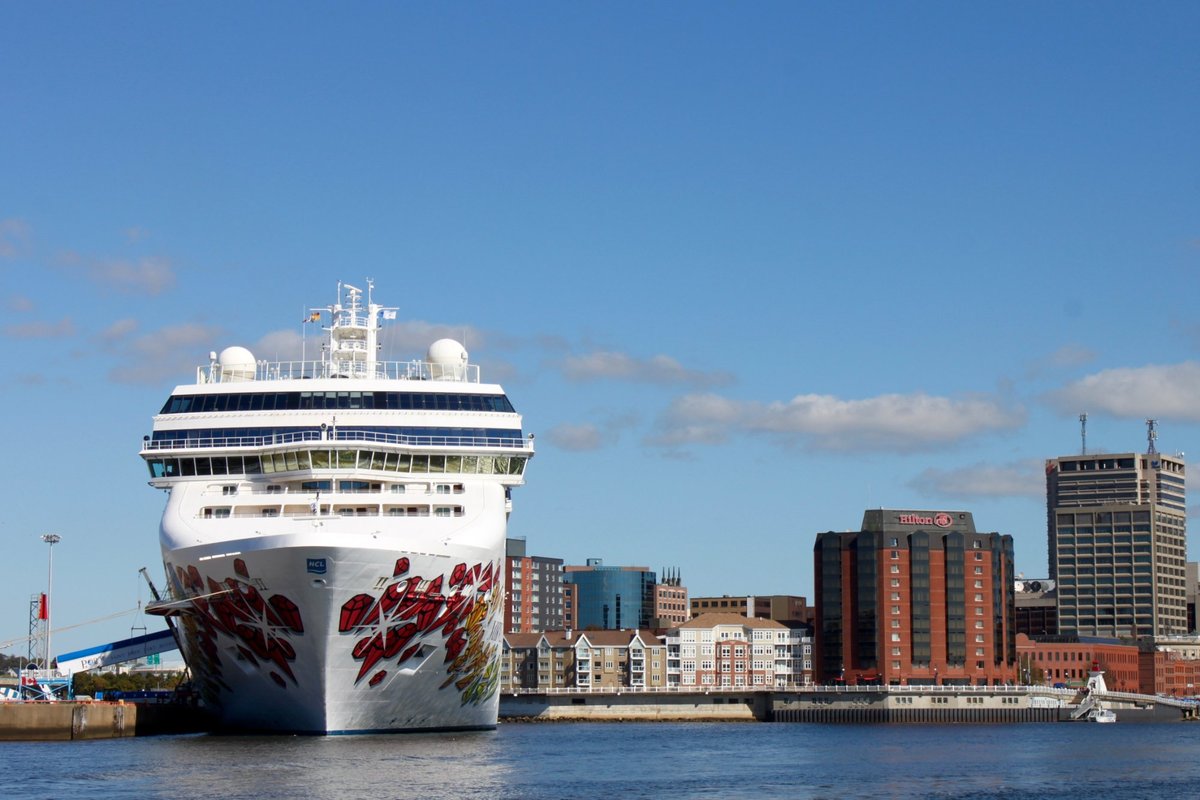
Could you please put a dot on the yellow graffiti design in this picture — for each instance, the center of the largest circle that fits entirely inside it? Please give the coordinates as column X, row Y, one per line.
column 475, row 671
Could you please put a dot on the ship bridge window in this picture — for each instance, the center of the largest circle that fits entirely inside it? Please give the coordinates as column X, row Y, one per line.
column 288, row 401
column 317, row 486
column 378, row 461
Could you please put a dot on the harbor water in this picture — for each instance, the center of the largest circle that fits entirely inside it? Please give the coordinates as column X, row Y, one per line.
column 627, row 760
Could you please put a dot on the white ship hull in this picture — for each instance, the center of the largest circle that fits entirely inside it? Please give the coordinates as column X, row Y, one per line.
column 334, row 532
column 343, row 625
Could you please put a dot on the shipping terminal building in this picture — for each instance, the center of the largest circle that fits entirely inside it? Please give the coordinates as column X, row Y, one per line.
column 915, row 598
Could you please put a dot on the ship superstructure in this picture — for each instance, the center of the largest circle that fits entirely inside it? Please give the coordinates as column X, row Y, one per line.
column 334, row 532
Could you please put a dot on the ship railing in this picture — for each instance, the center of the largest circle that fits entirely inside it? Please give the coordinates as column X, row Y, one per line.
column 339, row 368
column 334, row 436
column 790, row 687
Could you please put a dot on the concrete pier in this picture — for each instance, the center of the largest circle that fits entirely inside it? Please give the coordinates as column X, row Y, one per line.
column 32, row 721
column 636, row 706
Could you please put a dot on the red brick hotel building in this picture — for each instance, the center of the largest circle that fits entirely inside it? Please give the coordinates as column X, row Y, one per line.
column 915, row 597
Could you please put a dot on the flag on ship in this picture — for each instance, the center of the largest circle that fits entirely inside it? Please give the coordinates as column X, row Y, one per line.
column 314, row 317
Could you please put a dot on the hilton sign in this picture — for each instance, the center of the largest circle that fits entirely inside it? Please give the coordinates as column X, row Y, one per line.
column 941, row 519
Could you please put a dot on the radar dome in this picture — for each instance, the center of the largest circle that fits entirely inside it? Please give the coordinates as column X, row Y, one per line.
column 237, row 364
column 447, row 360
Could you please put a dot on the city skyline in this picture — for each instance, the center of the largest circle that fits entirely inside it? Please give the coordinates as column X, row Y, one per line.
column 745, row 271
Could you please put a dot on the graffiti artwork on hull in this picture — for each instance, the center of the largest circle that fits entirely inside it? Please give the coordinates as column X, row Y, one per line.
column 462, row 608
column 260, row 627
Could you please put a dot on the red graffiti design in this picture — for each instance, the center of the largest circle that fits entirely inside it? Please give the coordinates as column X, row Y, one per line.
column 261, row 627
column 397, row 624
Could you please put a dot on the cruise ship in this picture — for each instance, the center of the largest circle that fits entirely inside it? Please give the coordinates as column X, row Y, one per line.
column 333, row 537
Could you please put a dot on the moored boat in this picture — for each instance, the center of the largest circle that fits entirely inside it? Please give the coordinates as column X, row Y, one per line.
column 334, row 532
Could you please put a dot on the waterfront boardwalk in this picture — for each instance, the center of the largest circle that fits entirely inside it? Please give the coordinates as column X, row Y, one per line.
column 835, row 704
column 41, row 720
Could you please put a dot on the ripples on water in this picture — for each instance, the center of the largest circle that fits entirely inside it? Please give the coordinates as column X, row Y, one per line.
column 627, row 760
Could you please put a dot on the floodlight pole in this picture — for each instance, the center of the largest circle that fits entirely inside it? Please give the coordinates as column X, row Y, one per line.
column 50, row 539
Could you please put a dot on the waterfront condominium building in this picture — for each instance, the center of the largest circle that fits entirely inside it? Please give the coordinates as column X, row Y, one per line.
column 915, row 597
column 607, row 660
column 1116, row 535
column 732, row 651
column 611, row 598
column 534, row 601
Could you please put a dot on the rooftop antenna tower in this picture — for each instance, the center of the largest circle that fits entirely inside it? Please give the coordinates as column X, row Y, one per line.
column 1151, row 435
column 1083, row 431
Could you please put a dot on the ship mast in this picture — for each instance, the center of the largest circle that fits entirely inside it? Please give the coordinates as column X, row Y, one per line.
column 354, row 334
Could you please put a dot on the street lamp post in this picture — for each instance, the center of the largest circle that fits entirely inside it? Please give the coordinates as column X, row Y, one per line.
column 50, row 539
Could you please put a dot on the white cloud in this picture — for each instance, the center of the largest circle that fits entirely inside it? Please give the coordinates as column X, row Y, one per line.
column 118, row 330
column 575, row 437
column 65, row 327
column 891, row 422
column 14, row 237
column 976, row 481
column 1160, row 391
column 287, row 345
column 167, row 355
column 20, row 304
column 150, row 275
column 589, row 435
column 410, row 339
column 1072, row 355
column 659, row 369
column 1066, row 357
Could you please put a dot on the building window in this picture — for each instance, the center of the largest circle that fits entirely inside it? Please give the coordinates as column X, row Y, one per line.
column 895, row 569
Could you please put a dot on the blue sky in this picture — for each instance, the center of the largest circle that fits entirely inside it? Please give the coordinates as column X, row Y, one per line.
column 747, row 269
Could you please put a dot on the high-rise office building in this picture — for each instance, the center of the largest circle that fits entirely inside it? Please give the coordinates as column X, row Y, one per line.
column 1116, row 536
column 915, row 597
